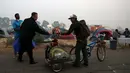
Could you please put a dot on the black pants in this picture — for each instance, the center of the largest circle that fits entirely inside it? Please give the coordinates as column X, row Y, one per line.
column 26, row 46
column 81, row 46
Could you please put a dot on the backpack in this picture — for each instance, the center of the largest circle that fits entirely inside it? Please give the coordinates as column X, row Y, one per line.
column 85, row 32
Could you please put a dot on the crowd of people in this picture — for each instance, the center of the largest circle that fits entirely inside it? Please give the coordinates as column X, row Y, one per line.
column 117, row 34
column 25, row 31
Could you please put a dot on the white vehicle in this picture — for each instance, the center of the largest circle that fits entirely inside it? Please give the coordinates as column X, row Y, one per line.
column 4, row 33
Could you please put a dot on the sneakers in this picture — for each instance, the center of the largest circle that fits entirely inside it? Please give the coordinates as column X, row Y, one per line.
column 15, row 56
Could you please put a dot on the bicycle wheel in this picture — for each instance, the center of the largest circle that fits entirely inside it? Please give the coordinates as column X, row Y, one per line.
column 101, row 53
column 72, row 54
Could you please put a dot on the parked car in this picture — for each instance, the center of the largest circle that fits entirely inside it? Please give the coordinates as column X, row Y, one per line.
column 4, row 33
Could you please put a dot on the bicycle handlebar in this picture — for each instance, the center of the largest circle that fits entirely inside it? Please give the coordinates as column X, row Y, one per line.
column 97, row 38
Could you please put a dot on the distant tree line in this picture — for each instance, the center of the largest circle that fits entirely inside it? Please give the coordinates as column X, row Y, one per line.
column 4, row 22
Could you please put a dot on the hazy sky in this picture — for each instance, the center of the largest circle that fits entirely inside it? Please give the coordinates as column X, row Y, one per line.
column 108, row 12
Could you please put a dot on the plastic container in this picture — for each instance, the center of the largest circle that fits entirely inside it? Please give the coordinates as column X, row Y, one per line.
column 113, row 44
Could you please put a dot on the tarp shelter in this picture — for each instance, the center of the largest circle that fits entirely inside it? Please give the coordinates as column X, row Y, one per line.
column 103, row 30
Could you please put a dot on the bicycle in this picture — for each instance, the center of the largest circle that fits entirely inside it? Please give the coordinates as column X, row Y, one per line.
column 101, row 48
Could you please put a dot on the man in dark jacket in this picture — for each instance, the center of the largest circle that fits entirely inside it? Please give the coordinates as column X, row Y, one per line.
column 27, row 32
column 127, row 33
column 81, row 42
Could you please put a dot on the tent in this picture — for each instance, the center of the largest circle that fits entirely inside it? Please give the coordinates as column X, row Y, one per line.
column 103, row 30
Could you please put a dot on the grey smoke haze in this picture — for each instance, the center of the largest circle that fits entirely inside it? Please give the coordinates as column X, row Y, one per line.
column 111, row 13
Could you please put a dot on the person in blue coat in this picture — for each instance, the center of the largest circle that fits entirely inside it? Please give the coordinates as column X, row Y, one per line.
column 16, row 26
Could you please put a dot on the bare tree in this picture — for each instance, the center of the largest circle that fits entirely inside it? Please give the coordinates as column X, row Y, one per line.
column 4, row 22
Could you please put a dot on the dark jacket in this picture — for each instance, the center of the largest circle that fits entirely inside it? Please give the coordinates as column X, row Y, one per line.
column 127, row 33
column 76, row 28
column 28, row 29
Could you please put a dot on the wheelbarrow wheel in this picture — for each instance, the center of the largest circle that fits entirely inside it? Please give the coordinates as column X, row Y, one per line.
column 57, row 67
